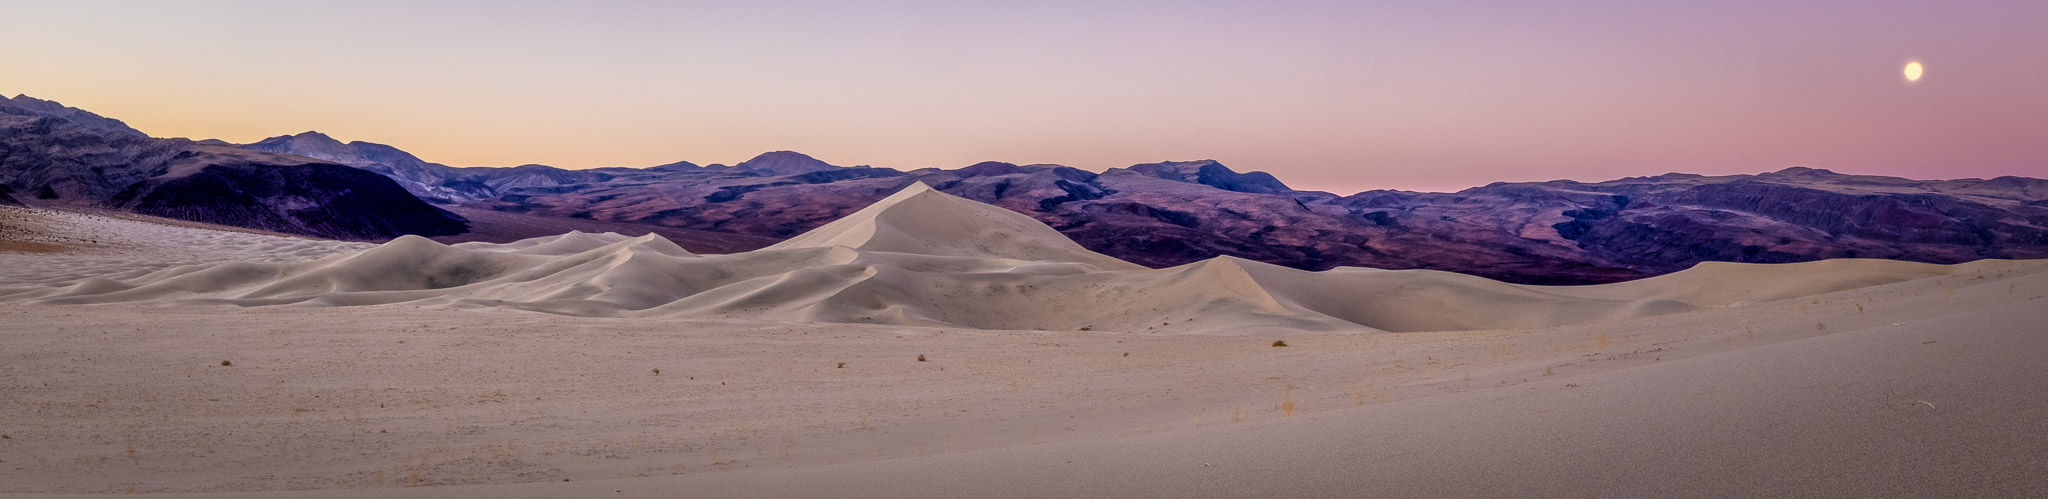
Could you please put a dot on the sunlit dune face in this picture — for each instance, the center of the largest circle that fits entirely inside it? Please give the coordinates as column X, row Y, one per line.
column 1913, row 71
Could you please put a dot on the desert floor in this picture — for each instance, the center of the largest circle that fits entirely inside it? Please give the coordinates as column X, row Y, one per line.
column 1921, row 387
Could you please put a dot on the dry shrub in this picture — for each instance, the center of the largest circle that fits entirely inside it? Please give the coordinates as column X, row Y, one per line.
column 1279, row 343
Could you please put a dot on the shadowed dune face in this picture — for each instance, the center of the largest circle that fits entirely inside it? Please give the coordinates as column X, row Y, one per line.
column 925, row 258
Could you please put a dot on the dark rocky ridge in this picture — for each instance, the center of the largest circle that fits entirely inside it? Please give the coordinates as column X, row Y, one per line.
column 71, row 157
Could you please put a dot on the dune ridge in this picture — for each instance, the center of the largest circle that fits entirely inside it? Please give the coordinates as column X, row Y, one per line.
column 925, row 258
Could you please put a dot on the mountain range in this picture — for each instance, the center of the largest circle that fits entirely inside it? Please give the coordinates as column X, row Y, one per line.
column 64, row 156
column 1155, row 214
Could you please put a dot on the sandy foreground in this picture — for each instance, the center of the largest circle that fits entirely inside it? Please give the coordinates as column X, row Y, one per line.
column 1860, row 378
column 1931, row 388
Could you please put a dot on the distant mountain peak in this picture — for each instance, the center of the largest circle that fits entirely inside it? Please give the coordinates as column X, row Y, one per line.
column 784, row 163
column 1802, row 170
column 679, row 166
column 78, row 116
column 1212, row 173
column 311, row 144
column 990, row 169
column 305, row 137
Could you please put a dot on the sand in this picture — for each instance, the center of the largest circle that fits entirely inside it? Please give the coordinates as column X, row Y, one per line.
column 384, row 379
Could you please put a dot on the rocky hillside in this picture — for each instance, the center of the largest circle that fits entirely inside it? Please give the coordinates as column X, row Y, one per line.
column 56, row 155
column 1171, row 213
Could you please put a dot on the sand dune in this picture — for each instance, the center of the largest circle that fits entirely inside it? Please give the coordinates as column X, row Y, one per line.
column 925, row 258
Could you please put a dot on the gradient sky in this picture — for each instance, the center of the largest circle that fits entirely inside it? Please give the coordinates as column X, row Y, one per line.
column 1339, row 96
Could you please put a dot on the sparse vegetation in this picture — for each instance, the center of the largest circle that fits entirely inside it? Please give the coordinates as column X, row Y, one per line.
column 657, row 372
column 920, row 357
column 1279, row 343
column 842, row 365
column 226, row 363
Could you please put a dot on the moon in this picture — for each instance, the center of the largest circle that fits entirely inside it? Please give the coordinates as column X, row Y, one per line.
column 1913, row 71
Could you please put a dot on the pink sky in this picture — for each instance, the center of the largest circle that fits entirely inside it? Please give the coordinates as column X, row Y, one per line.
column 1423, row 95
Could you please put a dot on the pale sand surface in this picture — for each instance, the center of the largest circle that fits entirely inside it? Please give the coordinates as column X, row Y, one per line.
column 1779, row 398
column 415, row 369
column 119, row 245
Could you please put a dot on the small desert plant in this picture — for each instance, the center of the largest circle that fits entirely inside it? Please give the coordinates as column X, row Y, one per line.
column 226, row 363
column 1127, row 354
column 842, row 365
column 1279, row 343
column 657, row 372
column 920, row 357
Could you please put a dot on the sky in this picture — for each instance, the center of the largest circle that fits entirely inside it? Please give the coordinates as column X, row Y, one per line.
column 1335, row 96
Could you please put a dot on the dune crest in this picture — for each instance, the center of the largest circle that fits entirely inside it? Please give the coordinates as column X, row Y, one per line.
column 921, row 220
column 925, row 258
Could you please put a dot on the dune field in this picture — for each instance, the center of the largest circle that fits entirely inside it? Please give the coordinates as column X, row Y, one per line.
column 932, row 346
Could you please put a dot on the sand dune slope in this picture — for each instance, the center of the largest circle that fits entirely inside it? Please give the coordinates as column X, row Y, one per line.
column 925, row 258
column 921, row 220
